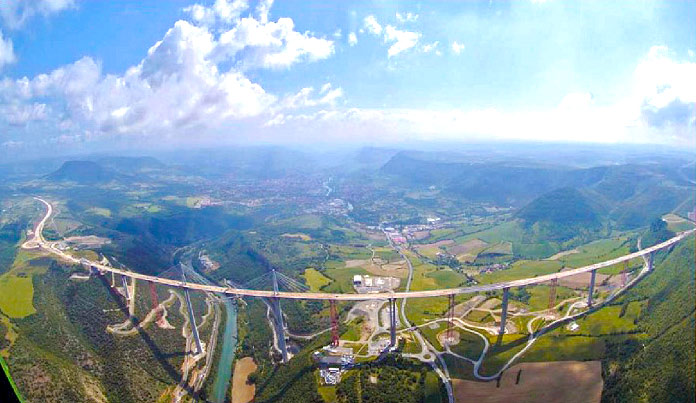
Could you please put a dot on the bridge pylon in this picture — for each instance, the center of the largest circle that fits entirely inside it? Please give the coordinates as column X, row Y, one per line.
column 591, row 290
column 125, row 287
column 334, row 323
column 392, row 322
column 503, row 312
column 278, row 322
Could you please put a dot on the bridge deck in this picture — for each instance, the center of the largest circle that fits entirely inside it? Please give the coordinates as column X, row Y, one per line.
column 50, row 247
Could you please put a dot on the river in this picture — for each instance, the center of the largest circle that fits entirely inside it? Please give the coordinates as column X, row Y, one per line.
column 229, row 348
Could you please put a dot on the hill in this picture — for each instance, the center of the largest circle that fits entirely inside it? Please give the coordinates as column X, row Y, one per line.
column 659, row 368
column 83, row 172
column 559, row 215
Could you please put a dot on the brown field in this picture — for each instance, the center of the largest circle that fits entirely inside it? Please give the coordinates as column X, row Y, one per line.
column 580, row 281
column 466, row 247
column 242, row 392
column 357, row 262
column 437, row 244
column 397, row 269
column 421, row 234
column 563, row 381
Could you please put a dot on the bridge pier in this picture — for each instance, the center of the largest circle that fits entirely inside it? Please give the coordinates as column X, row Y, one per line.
column 278, row 314
column 192, row 322
column 125, row 287
column 651, row 261
column 592, row 284
column 503, row 313
column 392, row 322
column 280, row 327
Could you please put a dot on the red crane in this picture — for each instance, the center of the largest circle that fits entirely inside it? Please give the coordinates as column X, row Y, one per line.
column 334, row 323
column 153, row 298
column 450, row 319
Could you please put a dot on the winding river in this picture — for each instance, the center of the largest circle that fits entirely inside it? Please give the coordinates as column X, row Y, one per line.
column 229, row 347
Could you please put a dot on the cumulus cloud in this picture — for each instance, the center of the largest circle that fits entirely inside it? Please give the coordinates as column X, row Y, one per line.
column 457, row 47
column 431, row 47
column 221, row 12
column 402, row 40
column 272, row 45
column 179, row 86
column 352, row 39
column 372, row 26
column 406, row 17
column 7, row 55
column 666, row 90
column 15, row 13
column 660, row 109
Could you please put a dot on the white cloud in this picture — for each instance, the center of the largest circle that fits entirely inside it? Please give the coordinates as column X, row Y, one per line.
column 21, row 114
column 457, row 47
column 262, row 9
column 179, row 86
column 372, row 26
column 666, row 91
column 403, row 40
column 352, row 39
column 222, row 11
column 661, row 109
column 407, row 17
column 430, row 47
column 7, row 55
column 272, row 45
column 15, row 13
column 303, row 99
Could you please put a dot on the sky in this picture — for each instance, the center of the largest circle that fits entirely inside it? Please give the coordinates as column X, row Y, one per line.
column 94, row 75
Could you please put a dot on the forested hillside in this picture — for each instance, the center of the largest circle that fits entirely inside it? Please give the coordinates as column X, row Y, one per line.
column 661, row 368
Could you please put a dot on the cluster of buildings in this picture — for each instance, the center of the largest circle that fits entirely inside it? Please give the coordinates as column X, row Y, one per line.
column 493, row 267
column 366, row 284
column 332, row 361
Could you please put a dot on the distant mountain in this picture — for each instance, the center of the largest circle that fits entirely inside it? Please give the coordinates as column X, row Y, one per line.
column 83, row 172
column 131, row 164
column 629, row 194
column 560, row 215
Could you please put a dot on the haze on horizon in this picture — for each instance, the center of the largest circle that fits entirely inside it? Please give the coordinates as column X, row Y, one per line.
column 89, row 76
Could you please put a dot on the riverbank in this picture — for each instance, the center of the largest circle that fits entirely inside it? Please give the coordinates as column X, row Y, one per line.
column 242, row 392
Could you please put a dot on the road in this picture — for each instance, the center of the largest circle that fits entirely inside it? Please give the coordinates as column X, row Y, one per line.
column 39, row 242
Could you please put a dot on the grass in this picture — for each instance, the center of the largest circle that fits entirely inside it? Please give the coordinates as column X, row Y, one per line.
column 342, row 277
column 479, row 316
column 509, row 231
column 16, row 295
column 315, row 280
column 597, row 251
column 299, row 235
column 16, row 286
column 608, row 320
column 470, row 345
column 539, row 299
column 521, row 269
column 101, row 211
column 432, row 388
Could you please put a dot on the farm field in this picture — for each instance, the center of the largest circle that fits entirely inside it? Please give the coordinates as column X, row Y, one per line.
column 563, row 381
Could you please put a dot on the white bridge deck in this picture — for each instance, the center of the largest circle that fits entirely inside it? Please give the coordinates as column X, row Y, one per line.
column 39, row 242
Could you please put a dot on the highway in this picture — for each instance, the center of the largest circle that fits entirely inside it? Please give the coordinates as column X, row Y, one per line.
column 38, row 241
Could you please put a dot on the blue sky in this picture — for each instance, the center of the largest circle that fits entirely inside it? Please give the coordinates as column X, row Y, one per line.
column 87, row 74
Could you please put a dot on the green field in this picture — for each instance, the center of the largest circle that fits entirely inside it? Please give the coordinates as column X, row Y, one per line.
column 104, row 212
column 521, row 269
column 315, row 280
column 609, row 320
column 16, row 286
